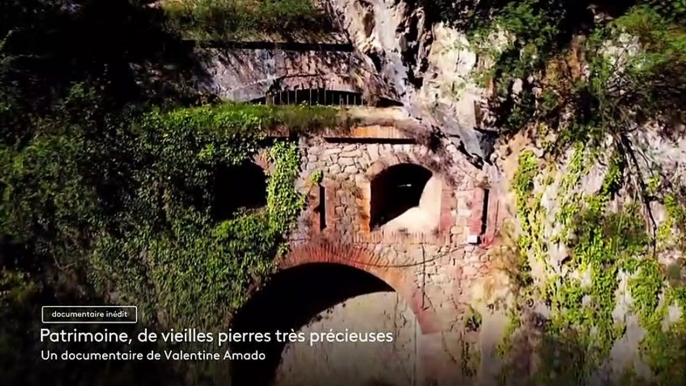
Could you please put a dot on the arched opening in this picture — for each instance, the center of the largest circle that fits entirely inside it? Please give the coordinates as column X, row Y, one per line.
column 405, row 196
column 242, row 187
column 317, row 297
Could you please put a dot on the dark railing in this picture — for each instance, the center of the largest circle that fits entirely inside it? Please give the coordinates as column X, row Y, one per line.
column 322, row 97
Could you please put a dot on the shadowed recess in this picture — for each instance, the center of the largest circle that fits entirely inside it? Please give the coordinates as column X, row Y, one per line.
column 396, row 190
column 291, row 300
column 238, row 187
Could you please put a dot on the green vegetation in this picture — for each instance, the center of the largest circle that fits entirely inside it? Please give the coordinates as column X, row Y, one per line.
column 107, row 187
column 524, row 185
column 316, row 177
column 549, row 43
column 241, row 19
column 590, row 75
column 133, row 210
column 603, row 245
column 672, row 232
column 185, row 146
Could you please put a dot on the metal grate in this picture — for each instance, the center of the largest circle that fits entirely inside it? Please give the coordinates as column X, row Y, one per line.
column 313, row 97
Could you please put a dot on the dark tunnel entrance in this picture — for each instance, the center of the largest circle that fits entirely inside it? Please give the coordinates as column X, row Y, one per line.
column 291, row 300
column 396, row 190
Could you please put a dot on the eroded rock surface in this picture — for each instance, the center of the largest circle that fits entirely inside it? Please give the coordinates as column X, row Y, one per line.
column 394, row 53
column 425, row 64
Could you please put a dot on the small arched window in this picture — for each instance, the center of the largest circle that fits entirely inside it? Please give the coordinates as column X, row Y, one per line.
column 405, row 196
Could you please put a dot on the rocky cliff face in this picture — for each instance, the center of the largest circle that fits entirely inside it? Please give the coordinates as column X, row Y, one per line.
column 397, row 54
column 425, row 65
column 562, row 207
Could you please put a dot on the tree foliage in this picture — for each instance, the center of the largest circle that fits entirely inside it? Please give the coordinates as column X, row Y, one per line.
column 107, row 174
column 590, row 75
column 240, row 19
column 586, row 69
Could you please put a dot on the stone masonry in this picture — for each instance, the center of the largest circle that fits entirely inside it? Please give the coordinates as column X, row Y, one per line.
column 431, row 255
column 430, row 268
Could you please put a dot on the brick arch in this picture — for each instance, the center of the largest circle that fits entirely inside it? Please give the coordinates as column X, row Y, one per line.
column 369, row 262
column 389, row 161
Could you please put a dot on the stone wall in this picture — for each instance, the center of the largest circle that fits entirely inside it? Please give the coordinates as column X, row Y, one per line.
column 431, row 270
column 348, row 168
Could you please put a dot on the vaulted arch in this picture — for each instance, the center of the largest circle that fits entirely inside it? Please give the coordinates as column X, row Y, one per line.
column 400, row 279
column 405, row 192
column 313, row 281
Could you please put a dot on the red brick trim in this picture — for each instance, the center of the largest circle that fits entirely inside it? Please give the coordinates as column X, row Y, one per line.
column 494, row 221
column 386, row 162
column 380, row 133
column 329, row 206
column 368, row 132
column 477, row 209
column 367, row 261
column 448, row 204
column 407, row 238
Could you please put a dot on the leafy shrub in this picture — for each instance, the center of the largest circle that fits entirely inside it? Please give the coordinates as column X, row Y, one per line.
column 236, row 19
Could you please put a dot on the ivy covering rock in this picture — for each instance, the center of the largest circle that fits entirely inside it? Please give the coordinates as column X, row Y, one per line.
column 582, row 79
column 106, row 179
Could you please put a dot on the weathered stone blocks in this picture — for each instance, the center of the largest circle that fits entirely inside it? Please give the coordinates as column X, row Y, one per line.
column 430, row 269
